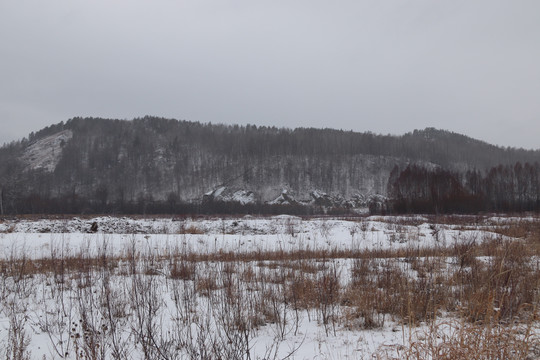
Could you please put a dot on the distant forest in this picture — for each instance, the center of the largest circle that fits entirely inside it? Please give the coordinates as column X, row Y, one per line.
column 155, row 165
column 504, row 188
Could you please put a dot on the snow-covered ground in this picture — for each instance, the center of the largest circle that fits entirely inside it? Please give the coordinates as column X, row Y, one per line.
column 247, row 234
column 112, row 303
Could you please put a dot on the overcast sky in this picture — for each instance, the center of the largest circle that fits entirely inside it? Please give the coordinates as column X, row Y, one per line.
column 468, row 66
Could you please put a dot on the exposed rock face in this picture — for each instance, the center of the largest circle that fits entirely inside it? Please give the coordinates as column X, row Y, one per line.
column 222, row 194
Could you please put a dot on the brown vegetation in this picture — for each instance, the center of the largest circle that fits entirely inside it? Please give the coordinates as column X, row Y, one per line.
column 476, row 297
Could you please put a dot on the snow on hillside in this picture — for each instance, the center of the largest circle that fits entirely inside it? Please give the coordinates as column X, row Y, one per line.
column 283, row 199
column 45, row 153
column 222, row 194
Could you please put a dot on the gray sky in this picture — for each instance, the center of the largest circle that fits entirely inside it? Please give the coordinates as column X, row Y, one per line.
column 467, row 66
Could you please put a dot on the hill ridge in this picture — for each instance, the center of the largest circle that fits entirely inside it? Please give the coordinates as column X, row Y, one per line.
column 110, row 163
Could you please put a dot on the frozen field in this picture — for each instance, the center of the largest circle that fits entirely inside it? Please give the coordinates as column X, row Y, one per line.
column 280, row 233
column 265, row 288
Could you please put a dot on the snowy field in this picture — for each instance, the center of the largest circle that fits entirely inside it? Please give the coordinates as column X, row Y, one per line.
column 268, row 288
column 288, row 233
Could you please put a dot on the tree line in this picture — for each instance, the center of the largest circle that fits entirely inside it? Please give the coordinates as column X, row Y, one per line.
column 504, row 188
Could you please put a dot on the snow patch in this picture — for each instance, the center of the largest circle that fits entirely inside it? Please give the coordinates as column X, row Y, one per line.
column 223, row 195
column 283, row 199
column 243, row 197
column 45, row 153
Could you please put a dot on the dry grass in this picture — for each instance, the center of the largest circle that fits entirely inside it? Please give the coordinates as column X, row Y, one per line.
column 191, row 229
column 183, row 270
column 486, row 290
column 458, row 340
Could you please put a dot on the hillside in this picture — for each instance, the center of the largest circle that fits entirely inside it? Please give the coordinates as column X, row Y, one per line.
column 102, row 165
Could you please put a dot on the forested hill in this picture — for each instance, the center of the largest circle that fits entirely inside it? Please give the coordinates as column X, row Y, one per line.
column 102, row 165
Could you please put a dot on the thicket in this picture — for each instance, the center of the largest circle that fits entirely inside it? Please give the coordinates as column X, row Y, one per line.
column 510, row 188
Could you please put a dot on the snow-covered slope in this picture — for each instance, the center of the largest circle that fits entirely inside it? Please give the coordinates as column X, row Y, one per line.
column 45, row 153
